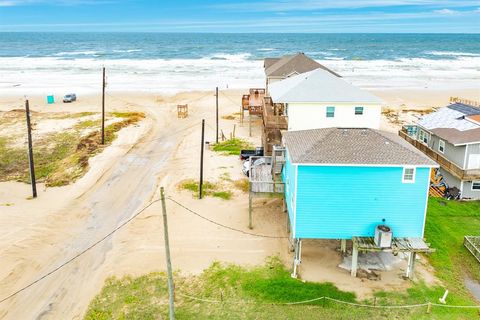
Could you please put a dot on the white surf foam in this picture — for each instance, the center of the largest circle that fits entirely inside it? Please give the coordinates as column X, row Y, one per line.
column 50, row 74
column 452, row 54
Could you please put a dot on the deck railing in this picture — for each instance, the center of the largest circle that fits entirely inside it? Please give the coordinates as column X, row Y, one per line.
column 473, row 245
column 440, row 159
column 261, row 178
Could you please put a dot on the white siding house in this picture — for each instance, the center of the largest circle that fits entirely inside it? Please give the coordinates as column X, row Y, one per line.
column 318, row 99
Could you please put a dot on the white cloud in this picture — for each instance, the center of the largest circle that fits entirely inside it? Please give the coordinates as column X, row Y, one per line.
column 447, row 12
column 305, row 5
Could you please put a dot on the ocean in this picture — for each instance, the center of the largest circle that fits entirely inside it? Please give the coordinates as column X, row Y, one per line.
column 41, row 63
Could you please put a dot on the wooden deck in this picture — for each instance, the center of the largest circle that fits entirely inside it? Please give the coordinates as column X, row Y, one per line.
column 412, row 246
column 441, row 160
column 262, row 181
column 273, row 115
column 398, row 245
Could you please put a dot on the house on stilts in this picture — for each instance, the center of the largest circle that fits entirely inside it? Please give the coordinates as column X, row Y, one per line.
column 356, row 184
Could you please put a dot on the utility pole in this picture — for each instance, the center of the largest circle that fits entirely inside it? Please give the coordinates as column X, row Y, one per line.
column 171, row 293
column 30, row 151
column 103, row 107
column 216, row 100
column 200, row 185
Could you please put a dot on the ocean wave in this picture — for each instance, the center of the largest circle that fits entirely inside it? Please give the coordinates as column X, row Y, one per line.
column 231, row 57
column 452, row 54
column 127, row 51
column 77, row 53
column 266, row 49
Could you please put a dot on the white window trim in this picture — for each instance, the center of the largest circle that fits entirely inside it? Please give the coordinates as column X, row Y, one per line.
column 441, row 143
column 413, row 177
column 473, row 183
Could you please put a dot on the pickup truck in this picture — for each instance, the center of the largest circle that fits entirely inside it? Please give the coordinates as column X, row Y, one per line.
column 246, row 154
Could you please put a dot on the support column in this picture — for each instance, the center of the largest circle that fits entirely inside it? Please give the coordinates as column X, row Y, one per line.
column 343, row 246
column 297, row 257
column 354, row 260
column 411, row 265
column 250, row 208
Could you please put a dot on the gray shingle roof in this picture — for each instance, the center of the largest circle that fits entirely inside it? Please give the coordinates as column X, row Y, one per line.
column 351, row 146
column 291, row 64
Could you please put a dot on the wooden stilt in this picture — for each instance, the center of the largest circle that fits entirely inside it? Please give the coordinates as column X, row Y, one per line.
column 250, row 208
column 354, row 261
column 343, row 245
column 297, row 256
column 250, row 124
column 411, row 265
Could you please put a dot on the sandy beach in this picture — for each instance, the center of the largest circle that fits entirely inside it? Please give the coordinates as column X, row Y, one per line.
column 43, row 233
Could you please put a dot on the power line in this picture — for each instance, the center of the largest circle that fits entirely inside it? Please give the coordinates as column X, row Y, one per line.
column 79, row 254
column 222, row 225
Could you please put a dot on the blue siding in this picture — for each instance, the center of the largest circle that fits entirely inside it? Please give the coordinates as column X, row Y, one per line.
column 288, row 175
column 341, row 202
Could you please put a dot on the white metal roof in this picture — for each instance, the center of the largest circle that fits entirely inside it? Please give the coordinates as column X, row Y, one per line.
column 318, row 86
column 447, row 118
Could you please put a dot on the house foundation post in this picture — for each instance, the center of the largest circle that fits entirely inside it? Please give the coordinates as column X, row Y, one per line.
column 354, row 260
column 297, row 256
column 343, row 246
column 250, row 209
column 411, row 264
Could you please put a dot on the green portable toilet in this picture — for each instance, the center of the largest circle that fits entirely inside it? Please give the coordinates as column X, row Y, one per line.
column 50, row 99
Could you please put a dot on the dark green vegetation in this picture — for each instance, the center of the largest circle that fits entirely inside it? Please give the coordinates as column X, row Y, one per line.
column 232, row 146
column 261, row 292
column 60, row 158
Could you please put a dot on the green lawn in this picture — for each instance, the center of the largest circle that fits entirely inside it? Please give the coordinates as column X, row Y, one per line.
column 261, row 292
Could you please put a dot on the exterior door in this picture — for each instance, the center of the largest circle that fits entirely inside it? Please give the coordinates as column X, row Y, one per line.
column 473, row 161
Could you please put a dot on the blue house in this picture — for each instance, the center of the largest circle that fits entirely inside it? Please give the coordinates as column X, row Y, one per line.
column 342, row 183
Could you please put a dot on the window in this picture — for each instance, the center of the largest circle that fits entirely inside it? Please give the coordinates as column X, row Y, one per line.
column 408, row 175
column 441, row 146
column 358, row 110
column 330, row 112
column 475, row 185
column 423, row 136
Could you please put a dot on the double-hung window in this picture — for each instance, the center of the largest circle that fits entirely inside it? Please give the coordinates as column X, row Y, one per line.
column 441, row 146
column 358, row 111
column 330, row 112
column 408, row 175
column 476, row 185
column 423, row 136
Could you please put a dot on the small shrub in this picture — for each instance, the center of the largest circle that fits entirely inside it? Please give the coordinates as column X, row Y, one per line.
column 232, row 146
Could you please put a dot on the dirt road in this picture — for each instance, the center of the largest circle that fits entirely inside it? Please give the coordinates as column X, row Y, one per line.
column 121, row 191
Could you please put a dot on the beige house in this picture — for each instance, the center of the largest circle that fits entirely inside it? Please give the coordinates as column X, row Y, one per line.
column 277, row 69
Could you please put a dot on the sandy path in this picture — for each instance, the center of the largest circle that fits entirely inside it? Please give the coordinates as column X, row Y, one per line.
column 120, row 193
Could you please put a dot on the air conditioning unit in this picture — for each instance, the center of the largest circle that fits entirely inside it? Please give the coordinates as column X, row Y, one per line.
column 383, row 236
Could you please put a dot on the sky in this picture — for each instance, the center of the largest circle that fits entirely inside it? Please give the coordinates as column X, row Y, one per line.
column 328, row 16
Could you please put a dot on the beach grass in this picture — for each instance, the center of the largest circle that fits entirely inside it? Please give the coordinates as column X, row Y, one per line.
column 242, row 184
column 217, row 190
column 227, row 291
column 232, row 146
column 60, row 158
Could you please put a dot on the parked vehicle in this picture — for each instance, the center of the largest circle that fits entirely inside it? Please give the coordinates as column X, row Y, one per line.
column 246, row 165
column 70, row 98
column 246, row 154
